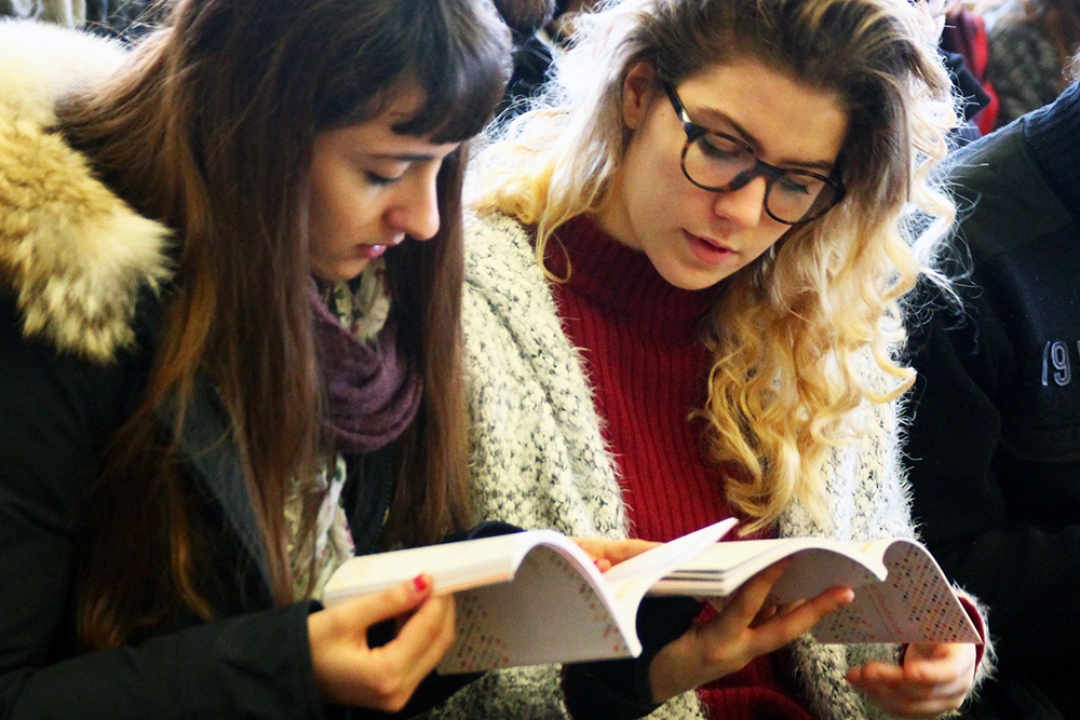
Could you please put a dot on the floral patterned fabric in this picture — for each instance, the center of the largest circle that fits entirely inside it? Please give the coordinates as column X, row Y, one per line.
column 362, row 308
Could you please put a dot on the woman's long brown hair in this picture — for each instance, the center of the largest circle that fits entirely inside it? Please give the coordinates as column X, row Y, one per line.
column 210, row 129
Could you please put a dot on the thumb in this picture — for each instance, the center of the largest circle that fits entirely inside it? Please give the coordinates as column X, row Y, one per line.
column 922, row 651
column 390, row 603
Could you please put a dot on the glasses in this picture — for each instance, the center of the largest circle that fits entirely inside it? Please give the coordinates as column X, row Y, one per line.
column 718, row 162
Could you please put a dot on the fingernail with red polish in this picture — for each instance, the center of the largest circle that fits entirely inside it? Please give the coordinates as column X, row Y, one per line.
column 420, row 583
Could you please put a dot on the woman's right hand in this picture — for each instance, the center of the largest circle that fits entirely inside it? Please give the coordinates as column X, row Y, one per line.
column 349, row 672
column 744, row 628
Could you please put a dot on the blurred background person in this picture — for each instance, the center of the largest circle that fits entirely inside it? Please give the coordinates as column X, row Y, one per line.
column 1030, row 44
column 533, row 51
column 964, row 34
column 70, row 13
column 126, row 19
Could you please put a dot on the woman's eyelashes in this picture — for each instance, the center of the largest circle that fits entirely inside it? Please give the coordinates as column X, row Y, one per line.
column 790, row 185
column 379, row 179
column 719, row 148
column 383, row 171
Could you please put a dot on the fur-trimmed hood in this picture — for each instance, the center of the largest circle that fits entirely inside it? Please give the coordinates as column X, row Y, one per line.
column 74, row 253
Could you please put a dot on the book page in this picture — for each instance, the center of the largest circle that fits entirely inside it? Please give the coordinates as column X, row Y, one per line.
column 552, row 612
column 901, row 595
column 817, row 564
column 915, row 603
column 525, row 598
column 631, row 579
column 453, row 566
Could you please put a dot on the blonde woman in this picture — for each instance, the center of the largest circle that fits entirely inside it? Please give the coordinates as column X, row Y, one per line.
column 682, row 303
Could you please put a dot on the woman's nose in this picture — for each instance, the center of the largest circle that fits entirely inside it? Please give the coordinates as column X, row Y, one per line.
column 417, row 211
column 745, row 205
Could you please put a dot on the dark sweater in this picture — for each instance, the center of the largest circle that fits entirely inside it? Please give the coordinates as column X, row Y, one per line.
column 994, row 445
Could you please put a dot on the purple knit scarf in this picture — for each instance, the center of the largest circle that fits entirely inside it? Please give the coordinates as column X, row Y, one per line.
column 372, row 391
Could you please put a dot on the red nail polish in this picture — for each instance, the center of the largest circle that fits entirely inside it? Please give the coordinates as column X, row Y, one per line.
column 420, row 583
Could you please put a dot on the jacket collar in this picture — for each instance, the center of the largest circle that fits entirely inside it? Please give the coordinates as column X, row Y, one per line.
column 219, row 468
column 74, row 254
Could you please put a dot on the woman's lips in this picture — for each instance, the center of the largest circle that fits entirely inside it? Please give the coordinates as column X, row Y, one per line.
column 376, row 249
column 707, row 251
column 371, row 251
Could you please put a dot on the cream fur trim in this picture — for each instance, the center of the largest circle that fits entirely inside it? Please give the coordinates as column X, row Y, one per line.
column 75, row 254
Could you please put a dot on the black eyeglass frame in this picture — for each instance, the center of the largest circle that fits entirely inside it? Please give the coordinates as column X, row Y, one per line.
column 771, row 173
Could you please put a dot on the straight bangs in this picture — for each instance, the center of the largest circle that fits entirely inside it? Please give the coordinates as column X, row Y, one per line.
column 455, row 53
column 462, row 75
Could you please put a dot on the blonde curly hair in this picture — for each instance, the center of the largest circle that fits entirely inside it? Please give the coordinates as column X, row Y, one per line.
column 795, row 336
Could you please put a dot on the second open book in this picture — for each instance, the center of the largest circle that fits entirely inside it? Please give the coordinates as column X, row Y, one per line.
column 535, row 597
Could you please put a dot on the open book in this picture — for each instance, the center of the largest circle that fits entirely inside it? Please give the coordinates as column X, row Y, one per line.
column 535, row 597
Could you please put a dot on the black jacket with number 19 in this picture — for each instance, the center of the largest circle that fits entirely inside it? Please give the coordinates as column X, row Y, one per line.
column 994, row 442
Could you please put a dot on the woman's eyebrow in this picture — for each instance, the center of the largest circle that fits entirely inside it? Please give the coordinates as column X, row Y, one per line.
column 413, row 156
column 403, row 157
column 721, row 118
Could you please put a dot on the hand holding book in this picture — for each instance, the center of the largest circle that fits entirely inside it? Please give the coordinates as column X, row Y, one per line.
column 749, row 623
column 933, row 679
column 348, row 671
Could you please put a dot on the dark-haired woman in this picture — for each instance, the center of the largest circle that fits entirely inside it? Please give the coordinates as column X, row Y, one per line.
column 230, row 270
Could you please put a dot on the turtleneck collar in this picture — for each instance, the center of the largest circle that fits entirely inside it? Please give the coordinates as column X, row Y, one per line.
column 621, row 280
column 1052, row 133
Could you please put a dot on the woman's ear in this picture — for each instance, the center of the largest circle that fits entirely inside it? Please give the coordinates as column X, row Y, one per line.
column 639, row 87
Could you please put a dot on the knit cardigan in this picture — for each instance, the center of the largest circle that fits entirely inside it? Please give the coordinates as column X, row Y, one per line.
column 539, row 460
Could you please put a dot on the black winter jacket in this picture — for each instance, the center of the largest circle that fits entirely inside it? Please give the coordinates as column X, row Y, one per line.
column 994, row 444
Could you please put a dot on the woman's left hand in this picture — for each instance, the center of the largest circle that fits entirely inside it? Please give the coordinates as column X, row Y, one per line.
column 934, row 679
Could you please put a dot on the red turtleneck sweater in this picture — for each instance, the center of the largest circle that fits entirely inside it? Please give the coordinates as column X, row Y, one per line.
column 640, row 340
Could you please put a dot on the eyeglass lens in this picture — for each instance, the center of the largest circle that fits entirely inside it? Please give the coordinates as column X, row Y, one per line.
column 717, row 162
